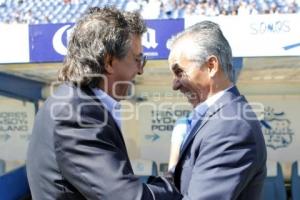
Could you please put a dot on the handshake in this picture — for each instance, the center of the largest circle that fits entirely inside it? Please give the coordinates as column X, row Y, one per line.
column 163, row 187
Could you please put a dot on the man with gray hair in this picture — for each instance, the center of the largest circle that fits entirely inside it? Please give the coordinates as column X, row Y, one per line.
column 223, row 155
column 77, row 150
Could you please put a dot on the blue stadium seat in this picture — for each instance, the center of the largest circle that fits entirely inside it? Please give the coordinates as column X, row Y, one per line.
column 74, row 8
column 274, row 188
column 95, row 3
column 14, row 185
column 295, row 180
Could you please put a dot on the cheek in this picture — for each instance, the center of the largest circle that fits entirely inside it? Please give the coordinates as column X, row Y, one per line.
column 188, row 84
column 130, row 71
column 126, row 70
column 127, row 75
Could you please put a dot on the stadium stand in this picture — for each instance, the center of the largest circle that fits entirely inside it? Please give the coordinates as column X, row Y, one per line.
column 274, row 188
column 62, row 11
column 295, row 180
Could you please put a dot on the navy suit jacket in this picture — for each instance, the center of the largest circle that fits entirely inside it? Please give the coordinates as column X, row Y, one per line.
column 77, row 152
column 224, row 157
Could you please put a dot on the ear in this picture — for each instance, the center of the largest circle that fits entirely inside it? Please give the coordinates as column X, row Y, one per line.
column 108, row 64
column 212, row 66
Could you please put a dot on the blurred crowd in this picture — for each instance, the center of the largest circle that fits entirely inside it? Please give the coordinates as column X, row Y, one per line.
column 185, row 8
column 62, row 11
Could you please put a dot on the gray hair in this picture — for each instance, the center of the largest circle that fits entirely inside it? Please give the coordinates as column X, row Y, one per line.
column 208, row 39
column 100, row 33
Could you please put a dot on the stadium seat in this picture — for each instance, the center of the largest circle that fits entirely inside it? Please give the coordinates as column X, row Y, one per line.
column 295, row 180
column 14, row 185
column 274, row 188
column 144, row 168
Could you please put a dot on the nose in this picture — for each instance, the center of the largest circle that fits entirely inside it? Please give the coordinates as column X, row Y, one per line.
column 140, row 70
column 176, row 84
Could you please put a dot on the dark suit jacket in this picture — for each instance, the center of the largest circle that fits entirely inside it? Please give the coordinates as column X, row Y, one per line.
column 77, row 151
column 224, row 156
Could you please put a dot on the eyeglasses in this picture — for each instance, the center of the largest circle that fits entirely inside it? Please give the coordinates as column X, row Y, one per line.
column 141, row 59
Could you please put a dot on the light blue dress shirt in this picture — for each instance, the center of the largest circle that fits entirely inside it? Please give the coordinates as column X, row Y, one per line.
column 200, row 110
column 113, row 106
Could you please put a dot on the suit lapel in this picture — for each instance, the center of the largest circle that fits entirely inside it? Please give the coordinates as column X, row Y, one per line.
column 228, row 97
column 111, row 121
column 200, row 123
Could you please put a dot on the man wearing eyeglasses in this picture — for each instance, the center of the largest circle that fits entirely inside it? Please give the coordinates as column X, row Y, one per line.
column 77, row 150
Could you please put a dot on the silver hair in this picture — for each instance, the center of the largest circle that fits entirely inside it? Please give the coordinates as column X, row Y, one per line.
column 208, row 39
column 100, row 33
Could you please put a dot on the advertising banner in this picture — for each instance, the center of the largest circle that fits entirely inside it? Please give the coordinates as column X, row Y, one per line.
column 14, row 42
column 157, row 35
column 48, row 42
column 249, row 36
column 155, row 130
column 16, row 122
column 259, row 35
column 279, row 122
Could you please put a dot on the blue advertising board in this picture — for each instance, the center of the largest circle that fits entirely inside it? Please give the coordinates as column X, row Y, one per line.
column 48, row 42
column 159, row 31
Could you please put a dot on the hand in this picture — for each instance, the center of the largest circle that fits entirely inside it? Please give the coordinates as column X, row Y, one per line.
column 163, row 188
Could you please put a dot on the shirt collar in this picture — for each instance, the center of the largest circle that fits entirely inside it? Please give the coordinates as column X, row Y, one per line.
column 211, row 100
column 113, row 106
column 201, row 108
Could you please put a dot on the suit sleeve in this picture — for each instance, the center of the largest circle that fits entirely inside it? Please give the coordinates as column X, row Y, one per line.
column 90, row 159
column 224, row 164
